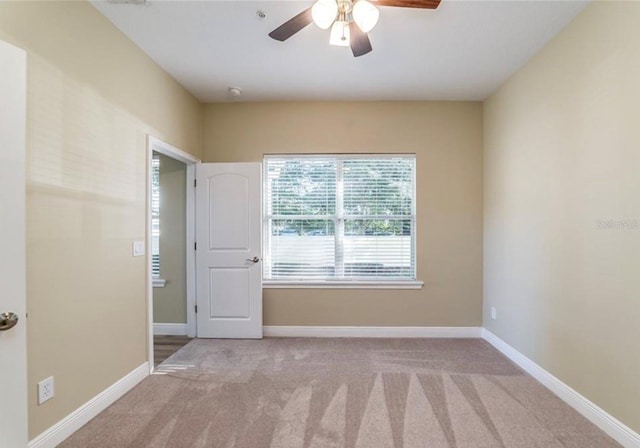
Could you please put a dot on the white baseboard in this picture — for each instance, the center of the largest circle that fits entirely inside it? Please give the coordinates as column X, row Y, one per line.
column 598, row 416
column 170, row 329
column 55, row 435
column 372, row 332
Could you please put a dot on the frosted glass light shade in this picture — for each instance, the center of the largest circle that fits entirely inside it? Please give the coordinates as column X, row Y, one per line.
column 365, row 15
column 340, row 35
column 324, row 12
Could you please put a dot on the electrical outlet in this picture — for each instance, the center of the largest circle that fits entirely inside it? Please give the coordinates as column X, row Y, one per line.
column 494, row 313
column 45, row 390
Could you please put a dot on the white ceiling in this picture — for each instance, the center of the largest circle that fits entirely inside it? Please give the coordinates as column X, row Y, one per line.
column 463, row 50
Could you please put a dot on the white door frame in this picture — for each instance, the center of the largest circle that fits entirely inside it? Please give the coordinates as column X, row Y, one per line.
column 156, row 145
column 13, row 342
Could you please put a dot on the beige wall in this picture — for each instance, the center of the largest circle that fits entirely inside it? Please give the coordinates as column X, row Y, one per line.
column 170, row 302
column 92, row 98
column 447, row 139
column 562, row 153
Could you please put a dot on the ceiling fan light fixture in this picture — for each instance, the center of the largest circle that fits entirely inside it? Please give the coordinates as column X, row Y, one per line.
column 340, row 34
column 349, row 20
column 365, row 15
column 324, row 13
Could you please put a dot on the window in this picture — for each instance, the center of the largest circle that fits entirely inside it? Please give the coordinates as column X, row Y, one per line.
column 155, row 215
column 339, row 218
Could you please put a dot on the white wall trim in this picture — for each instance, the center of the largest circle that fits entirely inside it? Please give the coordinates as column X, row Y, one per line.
column 157, row 145
column 372, row 332
column 59, row 432
column 336, row 284
column 598, row 416
column 191, row 253
column 171, row 329
column 159, row 282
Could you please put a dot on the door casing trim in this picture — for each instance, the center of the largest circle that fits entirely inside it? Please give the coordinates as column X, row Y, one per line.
column 156, row 145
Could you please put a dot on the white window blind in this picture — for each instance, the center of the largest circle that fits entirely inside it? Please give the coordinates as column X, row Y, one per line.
column 155, row 215
column 339, row 218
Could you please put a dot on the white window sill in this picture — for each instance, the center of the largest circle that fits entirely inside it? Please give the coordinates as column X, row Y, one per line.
column 159, row 283
column 346, row 284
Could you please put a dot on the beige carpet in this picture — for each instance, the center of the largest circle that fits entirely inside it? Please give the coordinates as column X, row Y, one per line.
column 352, row 393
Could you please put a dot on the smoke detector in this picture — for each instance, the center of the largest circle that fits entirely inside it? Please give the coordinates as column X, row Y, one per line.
column 235, row 91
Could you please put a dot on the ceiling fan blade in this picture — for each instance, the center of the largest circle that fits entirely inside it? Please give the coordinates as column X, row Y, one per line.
column 424, row 4
column 291, row 27
column 360, row 44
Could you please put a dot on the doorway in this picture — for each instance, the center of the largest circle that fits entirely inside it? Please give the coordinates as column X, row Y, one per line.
column 171, row 260
column 228, row 218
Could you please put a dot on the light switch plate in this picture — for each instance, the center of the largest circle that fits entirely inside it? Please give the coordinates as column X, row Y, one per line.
column 138, row 248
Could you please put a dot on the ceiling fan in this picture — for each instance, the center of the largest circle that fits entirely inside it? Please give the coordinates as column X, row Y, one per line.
column 350, row 20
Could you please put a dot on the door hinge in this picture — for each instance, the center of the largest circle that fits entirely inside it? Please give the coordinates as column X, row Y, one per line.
column 196, row 309
column 195, row 246
column 195, row 182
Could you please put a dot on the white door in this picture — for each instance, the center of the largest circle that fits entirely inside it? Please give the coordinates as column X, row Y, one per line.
column 13, row 338
column 229, row 247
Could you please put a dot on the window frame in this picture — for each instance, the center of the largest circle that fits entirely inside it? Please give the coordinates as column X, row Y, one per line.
column 339, row 219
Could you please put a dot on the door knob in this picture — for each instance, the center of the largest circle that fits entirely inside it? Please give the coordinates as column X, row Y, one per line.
column 8, row 321
column 253, row 260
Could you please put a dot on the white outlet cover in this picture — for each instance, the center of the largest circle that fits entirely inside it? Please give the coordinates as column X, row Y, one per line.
column 138, row 248
column 45, row 390
column 494, row 314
